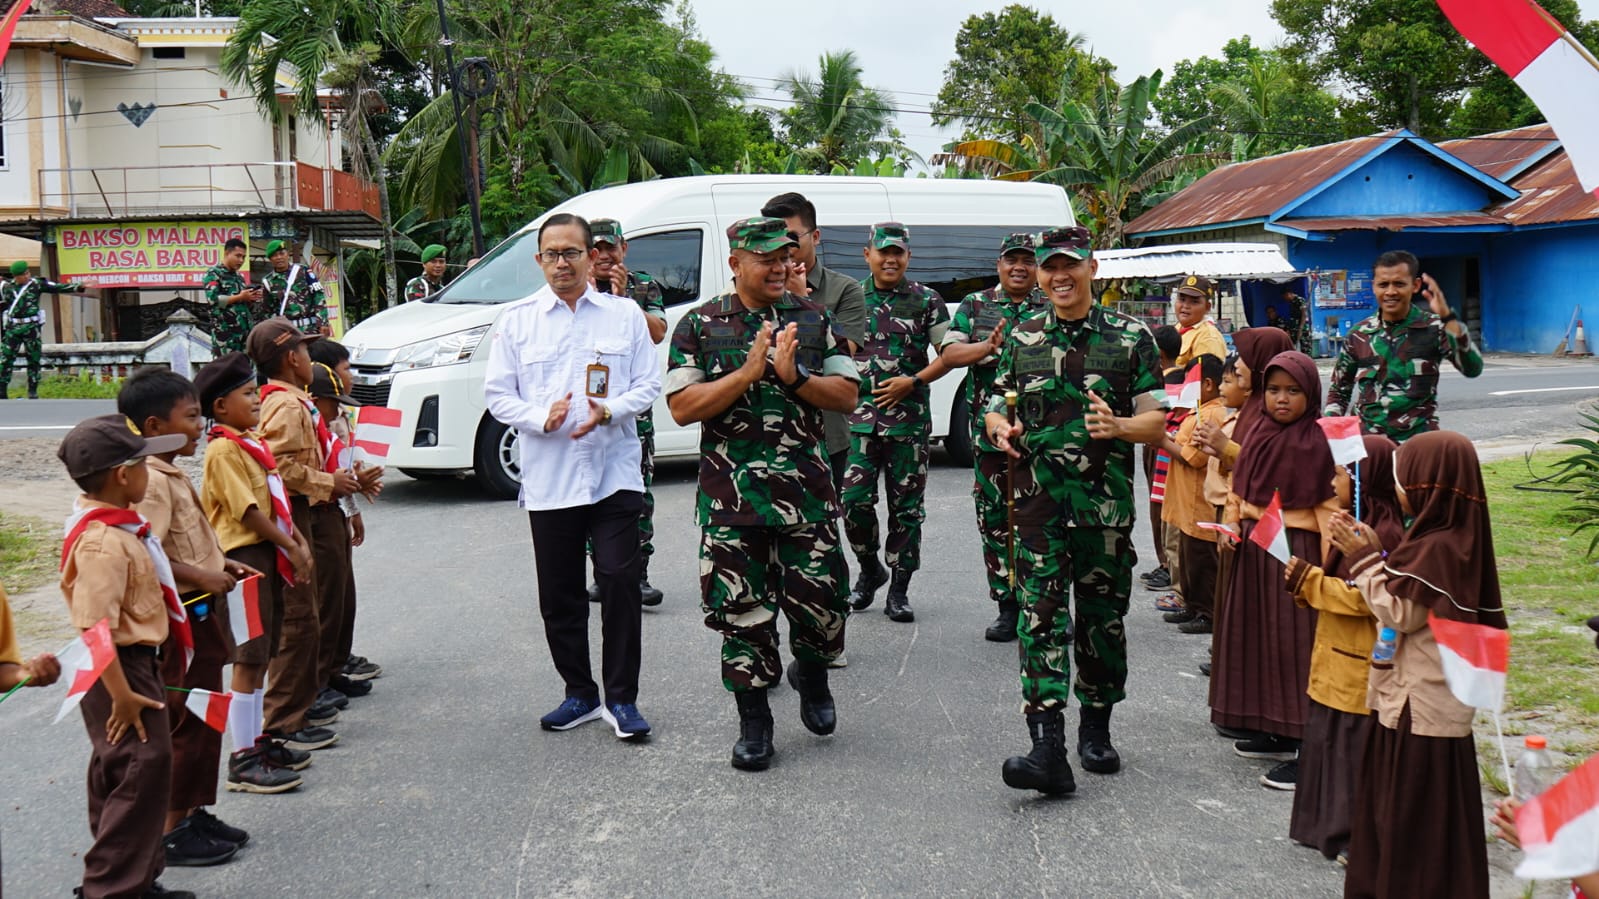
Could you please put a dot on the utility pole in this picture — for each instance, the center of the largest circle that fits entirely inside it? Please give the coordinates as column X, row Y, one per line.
column 468, row 169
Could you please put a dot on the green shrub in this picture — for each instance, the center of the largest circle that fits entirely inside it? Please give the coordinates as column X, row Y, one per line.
column 1581, row 471
column 83, row 386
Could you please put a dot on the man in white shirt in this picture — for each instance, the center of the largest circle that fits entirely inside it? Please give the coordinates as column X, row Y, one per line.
column 571, row 369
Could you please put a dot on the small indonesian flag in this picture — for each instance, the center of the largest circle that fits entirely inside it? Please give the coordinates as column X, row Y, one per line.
column 1224, row 530
column 1559, row 828
column 86, row 658
column 1475, row 659
column 244, row 610
column 1269, row 533
column 376, row 429
column 1343, row 435
column 1547, row 62
column 8, row 26
column 211, row 707
column 1188, row 394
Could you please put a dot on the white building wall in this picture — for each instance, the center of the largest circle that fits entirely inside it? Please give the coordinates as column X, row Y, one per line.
column 32, row 113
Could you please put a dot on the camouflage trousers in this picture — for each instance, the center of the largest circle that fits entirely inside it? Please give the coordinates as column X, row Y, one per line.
column 22, row 340
column 748, row 573
column 646, row 518
column 902, row 464
column 993, row 522
column 1093, row 566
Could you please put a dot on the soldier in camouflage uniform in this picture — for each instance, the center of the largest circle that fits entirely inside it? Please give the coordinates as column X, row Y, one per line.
column 305, row 302
column 890, row 429
column 24, row 323
column 609, row 269
column 755, row 368
column 1388, row 371
column 431, row 281
column 1089, row 381
column 975, row 335
column 233, row 303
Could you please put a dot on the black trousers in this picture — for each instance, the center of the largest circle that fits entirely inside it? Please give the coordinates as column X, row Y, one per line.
column 611, row 527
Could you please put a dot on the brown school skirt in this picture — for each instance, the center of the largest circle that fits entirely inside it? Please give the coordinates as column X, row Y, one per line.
column 1328, row 759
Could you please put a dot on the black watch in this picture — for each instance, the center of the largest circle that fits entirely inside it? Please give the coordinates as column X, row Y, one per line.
column 1448, row 317
column 801, row 375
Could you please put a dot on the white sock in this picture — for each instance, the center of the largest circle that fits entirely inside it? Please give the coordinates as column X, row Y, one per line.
column 241, row 720
column 260, row 712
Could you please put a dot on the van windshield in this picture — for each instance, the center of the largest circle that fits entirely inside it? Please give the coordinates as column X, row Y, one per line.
column 509, row 272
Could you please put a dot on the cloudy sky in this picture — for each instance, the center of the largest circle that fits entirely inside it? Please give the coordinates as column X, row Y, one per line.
column 905, row 46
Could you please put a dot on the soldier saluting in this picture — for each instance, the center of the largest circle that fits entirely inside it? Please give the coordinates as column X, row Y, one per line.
column 755, row 368
column 296, row 292
column 24, row 324
column 1088, row 381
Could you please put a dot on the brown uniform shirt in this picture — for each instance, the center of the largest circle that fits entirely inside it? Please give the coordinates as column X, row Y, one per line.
column 1185, row 504
column 1417, row 676
column 287, row 427
column 110, row 575
column 233, row 482
column 177, row 520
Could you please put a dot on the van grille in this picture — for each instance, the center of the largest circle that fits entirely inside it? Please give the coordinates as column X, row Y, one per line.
column 370, row 394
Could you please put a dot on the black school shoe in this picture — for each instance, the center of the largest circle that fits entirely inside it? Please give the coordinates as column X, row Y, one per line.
column 361, row 668
column 1159, row 579
column 1269, row 748
column 322, row 714
column 308, row 739
column 1283, row 777
column 332, row 696
column 211, row 825
column 157, row 891
column 348, row 687
column 188, row 846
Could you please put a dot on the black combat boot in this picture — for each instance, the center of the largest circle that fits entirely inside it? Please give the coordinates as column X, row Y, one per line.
column 648, row 594
column 1093, row 741
column 753, row 751
column 898, row 604
column 873, row 575
column 809, row 680
column 1045, row 769
column 1003, row 630
column 33, row 390
column 5, row 391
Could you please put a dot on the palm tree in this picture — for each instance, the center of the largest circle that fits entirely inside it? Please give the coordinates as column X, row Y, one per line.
column 1251, row 104
column 836, row 120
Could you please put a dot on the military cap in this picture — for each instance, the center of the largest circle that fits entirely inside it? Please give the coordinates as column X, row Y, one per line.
column 432, row 250
column 274, row 337
column 607, row 231
column 273, row 246
column 890, row 234
column 107, row 441
column 222, row 376
column 1074, row 242
column 760, row 234
column 18, row 267
column 325, row 385
column 1197, row 286
column 1021, row 240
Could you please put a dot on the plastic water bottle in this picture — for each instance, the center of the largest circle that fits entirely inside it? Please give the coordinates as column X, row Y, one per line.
column 1535, row 771
column 1382, row 652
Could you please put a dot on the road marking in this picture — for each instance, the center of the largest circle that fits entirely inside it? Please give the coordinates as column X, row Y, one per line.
column 36, row 427
column 1539, row 390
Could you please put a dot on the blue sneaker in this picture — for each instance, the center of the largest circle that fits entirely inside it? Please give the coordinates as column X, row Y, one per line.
column 569, row 714
column 623, row 717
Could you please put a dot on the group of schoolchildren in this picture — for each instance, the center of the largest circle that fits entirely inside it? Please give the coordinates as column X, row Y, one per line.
column 156, row 558
column 1380, row 757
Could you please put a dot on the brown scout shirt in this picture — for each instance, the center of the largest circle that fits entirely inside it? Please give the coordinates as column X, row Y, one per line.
column 287, row 428
column 176, row 519
column 233, row 482
column 1185, row 504
column 110, row 575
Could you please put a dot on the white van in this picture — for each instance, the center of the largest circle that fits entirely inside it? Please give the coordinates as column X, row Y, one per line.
column 422, row 358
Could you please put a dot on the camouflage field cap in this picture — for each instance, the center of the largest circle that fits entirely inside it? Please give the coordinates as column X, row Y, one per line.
column 607, row 231
column 1197, row 286
column 1021, row 240
column 890, row 234
column 759, row 234
column 1075, row 242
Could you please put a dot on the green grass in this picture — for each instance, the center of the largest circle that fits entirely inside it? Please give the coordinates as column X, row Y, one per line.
column 1551, row 588
column 83, row 386
column 28, row 550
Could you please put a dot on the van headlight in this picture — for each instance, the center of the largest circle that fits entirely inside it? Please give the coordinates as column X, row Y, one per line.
column 446, row 350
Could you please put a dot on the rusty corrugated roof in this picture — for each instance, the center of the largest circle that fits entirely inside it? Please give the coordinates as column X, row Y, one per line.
column 1255, row 189
column 1392, row 222
column 1550, row 193
column 1504, row 153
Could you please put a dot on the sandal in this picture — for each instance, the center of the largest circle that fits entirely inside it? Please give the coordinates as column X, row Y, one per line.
column 1169, row 602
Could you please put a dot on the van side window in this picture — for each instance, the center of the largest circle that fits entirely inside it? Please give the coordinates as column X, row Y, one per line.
column 954, row 260
column 673, row 259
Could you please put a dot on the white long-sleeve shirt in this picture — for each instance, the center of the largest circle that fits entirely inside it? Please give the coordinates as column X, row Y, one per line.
column 539, row 353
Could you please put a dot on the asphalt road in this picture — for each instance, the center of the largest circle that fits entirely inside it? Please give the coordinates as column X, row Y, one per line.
column 444, row 785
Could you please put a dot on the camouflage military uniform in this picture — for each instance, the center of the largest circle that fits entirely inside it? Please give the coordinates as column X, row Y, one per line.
column 646, row 291
column 230, row 324
column 1388, row 373
column 902, row 324
column 975, row 319
column 1074, row 497
column 420, row 288
column 306, row 305
column 766, row 503
column 24, row 324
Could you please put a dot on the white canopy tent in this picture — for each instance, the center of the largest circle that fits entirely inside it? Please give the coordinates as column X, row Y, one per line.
column 1243, row 261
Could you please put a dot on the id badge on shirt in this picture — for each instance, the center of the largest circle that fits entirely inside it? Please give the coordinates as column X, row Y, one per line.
column 597, row 381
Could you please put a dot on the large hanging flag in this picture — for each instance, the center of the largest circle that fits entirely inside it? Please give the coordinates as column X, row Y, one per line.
column 1555, row 70
column 1269, row 533
column 376, row 429
column 244, row 610
column 211, row 707
column 1559, row 828
column 1475, row 659
column 1343, row 435
column 8, row 26
column 86, row 659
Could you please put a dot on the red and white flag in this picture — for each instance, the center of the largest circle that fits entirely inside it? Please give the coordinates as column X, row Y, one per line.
column 1269, row 533
column 1188, row 395
column 244, row 610
column 1343, row 435
column 1226, row 531
column 8, row 26
column 1557, row 73
column 1559, row 828
column 1475, row 659
column 211, row 707
column 376, row 429
column 84, row 660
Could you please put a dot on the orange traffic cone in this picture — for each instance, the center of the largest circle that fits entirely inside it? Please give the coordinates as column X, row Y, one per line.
column 1579, row 347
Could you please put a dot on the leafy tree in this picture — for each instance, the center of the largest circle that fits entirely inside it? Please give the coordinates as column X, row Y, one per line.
column 1497, row 104
column 1263, row 104
column 1005, row 60
column 836, row 120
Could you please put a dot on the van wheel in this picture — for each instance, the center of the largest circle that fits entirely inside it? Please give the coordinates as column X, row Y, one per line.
column 958, row 443
column 496, row 462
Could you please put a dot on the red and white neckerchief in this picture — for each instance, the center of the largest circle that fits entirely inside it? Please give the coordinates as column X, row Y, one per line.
column 135, row 524
column 281, row 514
column 325, row 438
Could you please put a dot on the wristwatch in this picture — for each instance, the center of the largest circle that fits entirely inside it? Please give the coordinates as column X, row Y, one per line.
column 1448, row 317
column 605, row 415
column 801, row 375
